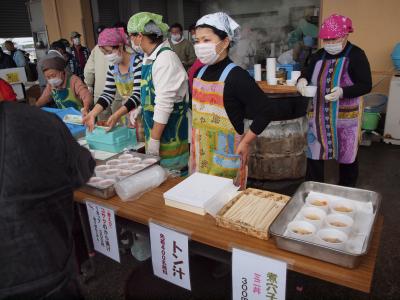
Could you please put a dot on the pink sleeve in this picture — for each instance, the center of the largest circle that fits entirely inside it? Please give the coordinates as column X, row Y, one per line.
column 192, row 71
column 46, row 95
column 81, row 91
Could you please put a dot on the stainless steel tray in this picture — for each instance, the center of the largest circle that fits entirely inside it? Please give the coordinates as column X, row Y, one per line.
column 109, row 192
column 105, row 193
column 338, row 257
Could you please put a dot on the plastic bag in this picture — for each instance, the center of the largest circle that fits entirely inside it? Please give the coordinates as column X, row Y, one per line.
column 136, row 185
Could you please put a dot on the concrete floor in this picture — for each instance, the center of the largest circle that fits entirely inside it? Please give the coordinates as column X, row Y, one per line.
column 379, row 171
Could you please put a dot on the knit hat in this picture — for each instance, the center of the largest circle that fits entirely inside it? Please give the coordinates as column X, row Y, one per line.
column 53, row 62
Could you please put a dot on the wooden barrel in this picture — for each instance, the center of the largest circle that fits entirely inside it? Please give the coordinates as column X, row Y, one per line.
column 279, row 151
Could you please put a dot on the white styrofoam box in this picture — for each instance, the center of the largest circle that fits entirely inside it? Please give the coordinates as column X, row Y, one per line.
column 198, row 189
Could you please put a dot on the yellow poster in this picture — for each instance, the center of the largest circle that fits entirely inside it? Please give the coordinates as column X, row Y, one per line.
column 13, row 77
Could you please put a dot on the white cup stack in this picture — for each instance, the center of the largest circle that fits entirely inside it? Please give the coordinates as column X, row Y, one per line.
column 257, row 72
column 271, row 71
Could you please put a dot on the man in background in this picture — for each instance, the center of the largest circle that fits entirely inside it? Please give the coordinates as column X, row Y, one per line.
column 17, row 55
column 80, row 53
column 182, row 47
column 6, row 60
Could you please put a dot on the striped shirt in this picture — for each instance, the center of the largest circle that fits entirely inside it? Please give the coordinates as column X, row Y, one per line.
column 110, row 88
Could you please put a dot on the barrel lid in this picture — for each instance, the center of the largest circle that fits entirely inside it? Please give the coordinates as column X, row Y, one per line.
column 375, row 102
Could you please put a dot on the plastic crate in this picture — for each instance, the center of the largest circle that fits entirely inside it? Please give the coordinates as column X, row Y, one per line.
column 114, row 141
column 77, row 131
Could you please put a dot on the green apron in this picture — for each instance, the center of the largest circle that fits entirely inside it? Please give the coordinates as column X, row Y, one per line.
column 65, row 97
column 174, row 149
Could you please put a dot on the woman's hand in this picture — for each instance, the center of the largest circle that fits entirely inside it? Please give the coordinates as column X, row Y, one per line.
column 244, row 146
column 243, row 150
column 112, row 120
column 89, row 121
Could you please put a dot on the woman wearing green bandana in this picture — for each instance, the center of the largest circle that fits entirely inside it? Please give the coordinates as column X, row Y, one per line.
column 163, row 91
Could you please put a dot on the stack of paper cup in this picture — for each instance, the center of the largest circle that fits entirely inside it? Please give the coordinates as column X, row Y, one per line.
column 257, row 72
column 295, row 75
column 271, row 70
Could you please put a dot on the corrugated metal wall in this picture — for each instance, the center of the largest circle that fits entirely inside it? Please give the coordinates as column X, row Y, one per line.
column 155, row 6
column 191, row 13
column 108, row 12
column 14, row 19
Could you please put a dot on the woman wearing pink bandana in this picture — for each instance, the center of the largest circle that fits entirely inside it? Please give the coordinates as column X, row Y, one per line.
column 342, row 74
column 124, row 76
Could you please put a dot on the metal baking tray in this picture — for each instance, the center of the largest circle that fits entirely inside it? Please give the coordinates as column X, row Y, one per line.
column 109, row 192
column 105, row 193
column 338, row 257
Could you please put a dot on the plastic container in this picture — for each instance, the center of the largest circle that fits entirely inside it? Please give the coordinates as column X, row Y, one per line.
column 301, row 230
column 332, row 238
column 310, row 91
column 114, row 163
column 100, row 171
column 343, row 207
column 375, row 103
column 112, row 174
column 340, row 222
column 396, row 56
column 77, row 131
column 136, row 185
column 370, row 121
column 141, row 249
column 290, row 82
column 125, row 156
column 313, row 215
column 114, row 141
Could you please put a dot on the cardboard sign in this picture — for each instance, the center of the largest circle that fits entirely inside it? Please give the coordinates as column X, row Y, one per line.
column 170, row 257
column 104, row 231
column 257, row 277
column 13, row 77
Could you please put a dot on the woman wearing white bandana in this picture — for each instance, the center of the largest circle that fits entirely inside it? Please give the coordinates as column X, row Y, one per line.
column 223, row 96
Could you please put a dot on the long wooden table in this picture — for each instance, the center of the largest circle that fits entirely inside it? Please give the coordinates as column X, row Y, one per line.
column 203, row 229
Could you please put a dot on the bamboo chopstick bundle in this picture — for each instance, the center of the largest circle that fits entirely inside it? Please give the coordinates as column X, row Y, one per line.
column 257, row 210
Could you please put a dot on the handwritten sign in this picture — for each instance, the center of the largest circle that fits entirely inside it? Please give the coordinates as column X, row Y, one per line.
column 104, row 231
column 169, row 252
column 13, row 77
column 257, row 277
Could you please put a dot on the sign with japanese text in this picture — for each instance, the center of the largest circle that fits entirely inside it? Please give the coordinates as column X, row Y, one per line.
column 257, row 277
column 104, row 230
column 170, row 255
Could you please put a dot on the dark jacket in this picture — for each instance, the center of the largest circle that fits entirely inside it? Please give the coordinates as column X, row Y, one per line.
column 40, row 166
column 6, row 61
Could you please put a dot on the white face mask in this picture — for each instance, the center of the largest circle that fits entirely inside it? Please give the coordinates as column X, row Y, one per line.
column 176, row 37
column 114, row 58
column 55, row 82
column 68, row 49
column 76, row 41
column 334, row 49
column 137, row 48
column 207, row 53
